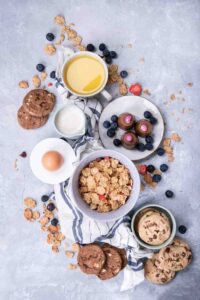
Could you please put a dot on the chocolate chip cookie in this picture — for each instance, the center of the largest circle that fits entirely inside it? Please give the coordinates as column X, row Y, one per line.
column 155, row 273
column 39, row 102
column 176, row 256
column 113, row 264
column 28, row 121
column 91, row 259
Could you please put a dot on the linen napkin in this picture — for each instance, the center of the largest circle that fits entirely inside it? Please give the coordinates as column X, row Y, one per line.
column 78, row 227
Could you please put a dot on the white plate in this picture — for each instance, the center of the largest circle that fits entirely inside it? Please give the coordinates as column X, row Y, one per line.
column 51, row 144
column 137, row 106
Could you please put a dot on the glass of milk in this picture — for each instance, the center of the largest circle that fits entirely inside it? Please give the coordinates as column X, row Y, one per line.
column 70, row 121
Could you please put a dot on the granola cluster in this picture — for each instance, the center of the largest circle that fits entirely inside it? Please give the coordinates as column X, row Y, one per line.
column 105, row 184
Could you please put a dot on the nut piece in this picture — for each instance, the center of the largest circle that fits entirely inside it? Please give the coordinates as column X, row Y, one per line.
column 72, row 266
column 69, row 254
column 23, row 84
column 36, row 215
column 43, row 75
column 44, row 220
column 36, row 81
column 29, row 202
column 175, row 137
column 123, row 89
column 28, row 214
column 55, row 249
column 50, row 49
column 59, row 20
column 76, row 247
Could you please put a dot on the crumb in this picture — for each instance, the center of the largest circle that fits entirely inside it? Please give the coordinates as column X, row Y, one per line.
column 55, row 249
column 172, row 97
column 50, row 49
column 76, row 247
column 142, row 187
column 36, row 81
column 29, row 202
column 36, row 215
column 190, row 84
column 69, row 254
column 142, row 60
column 175, row 137
column 147, row 92
column 72, row 266
column 130, row 45
column 59, row 20
column 43, row 75
column 28, row 214
column 23, row 84
column 15, row 165
column 147, row 178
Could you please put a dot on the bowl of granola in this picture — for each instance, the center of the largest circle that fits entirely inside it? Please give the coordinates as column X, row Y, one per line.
column 105, row 185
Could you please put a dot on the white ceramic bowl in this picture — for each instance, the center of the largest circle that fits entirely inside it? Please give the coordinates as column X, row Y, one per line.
column 172, row 221
column 124, row 209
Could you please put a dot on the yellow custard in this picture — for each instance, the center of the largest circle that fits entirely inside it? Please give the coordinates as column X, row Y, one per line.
column 84, row 75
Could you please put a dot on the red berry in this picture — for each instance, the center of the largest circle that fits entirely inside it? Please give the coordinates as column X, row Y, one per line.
column 106, row 157
column 135, row 89
column 102, row 198
column 142, row 169
column 50, row 84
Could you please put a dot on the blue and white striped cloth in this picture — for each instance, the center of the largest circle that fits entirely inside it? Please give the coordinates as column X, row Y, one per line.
column 80, row 228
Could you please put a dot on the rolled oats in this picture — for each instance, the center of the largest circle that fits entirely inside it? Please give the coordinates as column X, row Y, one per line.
column 50, row 49
column 59, row 20
column 29, row 202
column 28, row 214
column 23, row 84
column 36, row 215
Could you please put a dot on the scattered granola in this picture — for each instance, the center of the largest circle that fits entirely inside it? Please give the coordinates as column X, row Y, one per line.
column 23, row 84
column 69, row 254
column 36, row 81
column 62, row 38
column 190, row 84
column 72, row 266
column 76, row 247
column 28, row 214
column 147, row 92
column 30, row 203
column 172, row 97
column 55, row 248
column 175, row 137
column 50, row 49
column 43, row 75
column 36, row 215
column 59, row 20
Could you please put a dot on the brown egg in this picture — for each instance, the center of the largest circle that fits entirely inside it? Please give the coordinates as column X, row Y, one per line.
column 52, row 160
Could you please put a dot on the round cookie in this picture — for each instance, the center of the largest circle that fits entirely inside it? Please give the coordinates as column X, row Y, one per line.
column 147, row 212
column 154, row 228
column 122, row 253
column 91, row 259
column 113, row 264
column 29, row 122
column 39, row 102
column 154, row 272
column 176, row 256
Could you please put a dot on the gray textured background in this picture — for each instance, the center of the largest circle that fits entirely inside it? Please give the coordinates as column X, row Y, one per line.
column 166, row 34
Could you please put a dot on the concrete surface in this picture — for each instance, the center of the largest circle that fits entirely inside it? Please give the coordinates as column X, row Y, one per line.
column 164, row 33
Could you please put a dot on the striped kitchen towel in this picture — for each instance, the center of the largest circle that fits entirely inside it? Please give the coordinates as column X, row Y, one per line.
column 80, row 228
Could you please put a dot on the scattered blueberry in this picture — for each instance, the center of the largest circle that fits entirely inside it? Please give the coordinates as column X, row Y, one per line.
column 51, row 206
column 45, row 198
column 153, row 120
column 149, row 139
column 54, row 221
column 114, row 118
column 147, row 114
column 123, row 74
column 169, row 194
column 50, row 36
column 140, row 147
column 90, row 48
column 110, row 132
column 108, row 60
column 160, row 151
column 106, row 53
column 156, row 178
column 150, row 168
column 117, row 142
column 40, row 67
column 182, row 229
column 164, row 167
column 114, row 125
column 106, row 124
column 23, row 154
column 102, row 47
column 149, row 146
column 53, row 74
column 113, row 54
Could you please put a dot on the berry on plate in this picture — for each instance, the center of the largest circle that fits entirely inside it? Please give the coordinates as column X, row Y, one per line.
column 153, row 120
column 147, row 114
column 111, row 132
column 106, row 124
column 149, row 146
column 117, row 142
column 149, row 139
column 135, row 89
column 140, row 147
column 114, row 118
column 114, row 125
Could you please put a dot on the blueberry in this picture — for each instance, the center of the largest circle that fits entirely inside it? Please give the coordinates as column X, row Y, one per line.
column 169, row 194
column 54, row 221
column 149, row 146
column 117, row 142
column 114, row 118
column 140, row 147
column 153, row 120
column 90, row 48
column 113, row 54
column 147, row 114
column 164, row 167
column 156, row 178
column 51, row 207
column 160, row 151
column 45, row 198
column 110, row 132
column 182, row 229
column 108, row 60
column 149, row 139
column 114, row 125
column 106, row 124
column 50, row 36
column 40, row 67
column 102, row 47
column 150, row 168
column 53, row 74
column 123, row 74
column 106, row 53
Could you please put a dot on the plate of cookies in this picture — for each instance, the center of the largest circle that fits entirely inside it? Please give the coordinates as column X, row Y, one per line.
column 131, row 125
